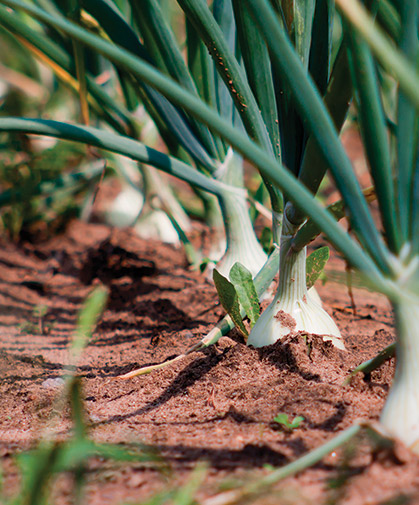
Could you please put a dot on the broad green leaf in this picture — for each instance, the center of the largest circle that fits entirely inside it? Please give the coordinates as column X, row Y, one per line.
column 262, row 281
column 281, row 419
column 243, row 283
column 315, row 264
column 229, row 300
column 284, row 420
column 296, row 421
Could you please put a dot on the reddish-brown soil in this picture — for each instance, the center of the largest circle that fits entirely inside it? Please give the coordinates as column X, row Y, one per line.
column 216, row 406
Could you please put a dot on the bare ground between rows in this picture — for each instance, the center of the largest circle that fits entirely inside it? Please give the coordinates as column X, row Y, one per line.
column 215, row 406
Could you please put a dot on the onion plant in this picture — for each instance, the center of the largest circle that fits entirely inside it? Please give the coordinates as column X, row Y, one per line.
column 242, row 244
column 278, row 84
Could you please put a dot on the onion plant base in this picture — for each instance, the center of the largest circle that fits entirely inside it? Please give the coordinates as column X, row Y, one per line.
column 281, row 320
column 400, row 415
column 155, row 225
column 293, row 309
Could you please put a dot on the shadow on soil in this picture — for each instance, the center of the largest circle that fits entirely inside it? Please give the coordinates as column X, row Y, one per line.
column 250, row 456
column 186, row 378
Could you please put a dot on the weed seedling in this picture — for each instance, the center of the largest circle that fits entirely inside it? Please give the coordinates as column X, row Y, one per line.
column 285, row 422
column 40, row 311
column 39, row 325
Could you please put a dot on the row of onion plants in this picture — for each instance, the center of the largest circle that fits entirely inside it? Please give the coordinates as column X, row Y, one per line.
column 264, row 82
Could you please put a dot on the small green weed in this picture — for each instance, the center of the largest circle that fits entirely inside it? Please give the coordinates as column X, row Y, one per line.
column 285, row 422
column 37, row 323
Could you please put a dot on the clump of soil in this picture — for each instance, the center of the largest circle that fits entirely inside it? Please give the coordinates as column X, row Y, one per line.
column 286, row 319
column 217, row 405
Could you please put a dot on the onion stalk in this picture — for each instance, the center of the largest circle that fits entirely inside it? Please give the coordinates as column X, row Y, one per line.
column 242, row 244
column 400, row 415
column 293, row 309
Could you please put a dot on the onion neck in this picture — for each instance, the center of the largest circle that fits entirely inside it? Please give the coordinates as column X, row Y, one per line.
column 242, row 243
column 238, row 225
column 292, row 267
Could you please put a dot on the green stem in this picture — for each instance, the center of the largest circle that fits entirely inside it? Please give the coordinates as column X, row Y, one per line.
column 374, row 131
column 309, row 459
column 373, row 363
column 158, row 35
column 337, row 99
column 292, row 266
column 407, row 121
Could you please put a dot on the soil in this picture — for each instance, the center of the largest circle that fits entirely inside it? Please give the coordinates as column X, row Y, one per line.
column 216, row 406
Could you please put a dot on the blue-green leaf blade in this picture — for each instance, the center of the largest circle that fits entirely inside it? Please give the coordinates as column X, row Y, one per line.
column 374, row 132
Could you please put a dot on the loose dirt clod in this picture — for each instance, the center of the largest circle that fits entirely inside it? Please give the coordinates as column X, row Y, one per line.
column 286, row 319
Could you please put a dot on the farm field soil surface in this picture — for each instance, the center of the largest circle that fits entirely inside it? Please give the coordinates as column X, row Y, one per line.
column 216, row 406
